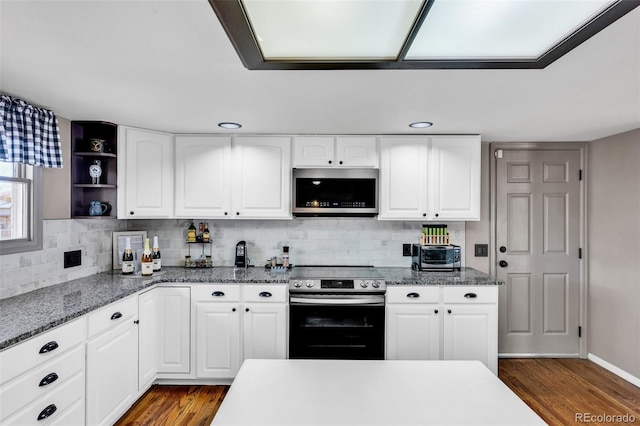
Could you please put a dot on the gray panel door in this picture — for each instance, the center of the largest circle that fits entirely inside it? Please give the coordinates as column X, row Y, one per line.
column 537, row 240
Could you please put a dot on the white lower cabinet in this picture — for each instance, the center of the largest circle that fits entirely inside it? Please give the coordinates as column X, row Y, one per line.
column 174, row 330
column 457, row 322
column 232, row 325
column 112, row 361
column 42, row 379
column 147, row 339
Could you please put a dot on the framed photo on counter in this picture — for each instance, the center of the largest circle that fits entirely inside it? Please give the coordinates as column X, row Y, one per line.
column 119, row 242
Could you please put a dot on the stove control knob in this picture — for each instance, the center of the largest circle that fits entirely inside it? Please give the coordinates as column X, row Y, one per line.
column 364, row 284
column 376, row 284
column 297, row 284
column 310, row 283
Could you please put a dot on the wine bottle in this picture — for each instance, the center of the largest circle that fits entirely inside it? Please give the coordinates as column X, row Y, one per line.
column 191, row 233
column 157, row 262
column 127, row 258
column 147, row 260
column 205, row 234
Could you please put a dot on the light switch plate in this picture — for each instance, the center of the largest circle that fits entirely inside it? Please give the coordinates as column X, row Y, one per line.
column 482, row 250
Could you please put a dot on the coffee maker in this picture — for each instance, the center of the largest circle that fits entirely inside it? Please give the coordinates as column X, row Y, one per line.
column 241, row 255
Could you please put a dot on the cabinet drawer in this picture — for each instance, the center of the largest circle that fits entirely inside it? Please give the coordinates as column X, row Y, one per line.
column 51, row 406
column 218, row 293
column 45, row 378
column 473, row 294
column 112, row 315
column 42, row 348
column 413, row 294
column 265, row 293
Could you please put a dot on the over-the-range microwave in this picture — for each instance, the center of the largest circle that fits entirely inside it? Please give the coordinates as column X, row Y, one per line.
column 335, row 192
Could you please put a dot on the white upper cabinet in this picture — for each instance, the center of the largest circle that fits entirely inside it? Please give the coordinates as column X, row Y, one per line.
column 145, row 174
column 430, row 178
column 261, row 177
column 203, row 176
column 403, row 178
column 454, row 177
column 335, row 151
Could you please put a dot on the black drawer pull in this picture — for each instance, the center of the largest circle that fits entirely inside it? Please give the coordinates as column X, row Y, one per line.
column 116, row 316
column 413, row 295
column 435, row 311
column 218, row 293
column 48, row 347
column 470, row 295
column 48, row 379
column 265, row 294
column 448, row 311
column 47, row 412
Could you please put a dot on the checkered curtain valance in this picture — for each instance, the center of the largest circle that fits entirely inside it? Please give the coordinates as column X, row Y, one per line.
column 28, row 134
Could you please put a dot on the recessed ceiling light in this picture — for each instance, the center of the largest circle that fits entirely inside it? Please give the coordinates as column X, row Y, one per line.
column 420, row 124
column 229, row 125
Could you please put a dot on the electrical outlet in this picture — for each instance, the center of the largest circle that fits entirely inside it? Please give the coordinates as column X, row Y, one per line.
column 482, row 250
column 406, row 249
column 72, row 258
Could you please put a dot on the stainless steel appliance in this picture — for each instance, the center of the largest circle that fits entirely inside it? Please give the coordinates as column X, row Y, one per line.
column 436, row 258
column 336, row 313
column 241, row 255
column 335, row 192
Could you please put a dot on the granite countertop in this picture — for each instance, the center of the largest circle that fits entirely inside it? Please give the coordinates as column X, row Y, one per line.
column 32, row 313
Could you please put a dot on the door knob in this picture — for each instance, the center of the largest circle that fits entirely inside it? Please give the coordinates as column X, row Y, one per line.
column 503, row 249
column 503, row 263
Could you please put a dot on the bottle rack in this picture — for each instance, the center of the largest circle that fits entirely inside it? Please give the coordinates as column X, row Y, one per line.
column 204, row 261
column 434, row 235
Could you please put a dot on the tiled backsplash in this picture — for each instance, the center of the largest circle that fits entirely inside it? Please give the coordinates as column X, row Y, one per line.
column 323, row 241
column 24, row 272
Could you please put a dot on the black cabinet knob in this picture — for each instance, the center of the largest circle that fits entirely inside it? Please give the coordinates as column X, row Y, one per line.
column 48, row 379
column 340, row 162
column 330, row 162
column 226, row 213
column 437, row 214
column 246, row 309
column 435, row 311
column 48, row 347
column 503, row 264
column 448, row 311
column 424, row 214
column 131, row 212
column 233, row 310
column 47, row 412
column 136, row 322
column 237, row 213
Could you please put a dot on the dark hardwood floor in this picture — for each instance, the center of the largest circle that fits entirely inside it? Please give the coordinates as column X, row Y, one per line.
column 559, row 390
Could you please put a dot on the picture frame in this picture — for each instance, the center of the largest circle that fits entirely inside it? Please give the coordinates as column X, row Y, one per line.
column 119, row 242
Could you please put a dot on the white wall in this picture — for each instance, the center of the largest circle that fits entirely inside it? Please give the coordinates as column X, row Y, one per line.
column 614, row 250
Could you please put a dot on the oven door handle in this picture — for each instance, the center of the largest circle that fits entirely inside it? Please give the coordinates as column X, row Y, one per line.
column 336, row 301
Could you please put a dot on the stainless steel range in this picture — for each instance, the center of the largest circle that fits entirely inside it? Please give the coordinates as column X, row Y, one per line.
column 336, row 313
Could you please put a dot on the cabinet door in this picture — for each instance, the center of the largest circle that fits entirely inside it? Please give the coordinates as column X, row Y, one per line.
column 112, row 374
column 174, row 337
column 403, row 178
column 262, row 177
column 356, row 151
column 265, row 330
column 217, row 340
column 145, row 189
column 203, row 176
column 147, row 339
column 413, row 331
column 471, row 333
column 313, row 151
column 454, row 178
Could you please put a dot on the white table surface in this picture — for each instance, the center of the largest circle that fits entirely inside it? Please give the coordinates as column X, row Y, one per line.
column 345, row 392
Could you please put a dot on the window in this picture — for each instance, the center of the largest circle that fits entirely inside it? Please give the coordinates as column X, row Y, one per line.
column 20, row 208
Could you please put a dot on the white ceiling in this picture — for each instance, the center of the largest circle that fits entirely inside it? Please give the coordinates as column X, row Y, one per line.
column 168, row 65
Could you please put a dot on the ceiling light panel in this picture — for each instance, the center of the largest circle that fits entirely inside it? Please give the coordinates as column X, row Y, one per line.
column 499, row 29
column 331, row 29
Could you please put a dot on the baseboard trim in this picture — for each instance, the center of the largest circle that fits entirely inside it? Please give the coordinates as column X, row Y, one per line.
column 538, row 355
column 615, row 370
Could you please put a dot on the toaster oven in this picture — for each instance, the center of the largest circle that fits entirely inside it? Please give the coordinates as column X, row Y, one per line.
column 436, row 258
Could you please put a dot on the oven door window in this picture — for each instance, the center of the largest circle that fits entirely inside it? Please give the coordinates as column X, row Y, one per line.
column 336, row 332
